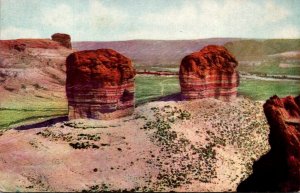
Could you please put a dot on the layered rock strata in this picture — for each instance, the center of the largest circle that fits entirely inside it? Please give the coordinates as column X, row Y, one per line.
column 279, row 169
column 63, row 39
column 209, row 73
column 100, row 84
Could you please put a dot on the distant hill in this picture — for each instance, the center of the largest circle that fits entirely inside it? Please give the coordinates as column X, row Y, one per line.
column 259, row 49
column 153, row 52
column 170, row 52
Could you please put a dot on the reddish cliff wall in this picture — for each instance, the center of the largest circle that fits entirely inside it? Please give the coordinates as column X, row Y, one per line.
column 279, row 169
column 209, row 73
column 100, row 84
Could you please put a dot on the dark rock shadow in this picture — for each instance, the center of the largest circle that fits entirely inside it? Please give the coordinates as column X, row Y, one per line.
column 171, row 97
column 266, row 176
column 46, row 123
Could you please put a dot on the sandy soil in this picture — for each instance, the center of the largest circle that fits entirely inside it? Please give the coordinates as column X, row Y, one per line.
column 202, row 145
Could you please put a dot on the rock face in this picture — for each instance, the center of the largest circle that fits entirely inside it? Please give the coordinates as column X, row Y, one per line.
column 100, row 84
column 63, row 39
column 209, row 73
column 279, row 169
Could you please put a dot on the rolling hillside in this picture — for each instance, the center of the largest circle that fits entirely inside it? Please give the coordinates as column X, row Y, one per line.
column 170, row 52
column 260, row 49
column 154, row 52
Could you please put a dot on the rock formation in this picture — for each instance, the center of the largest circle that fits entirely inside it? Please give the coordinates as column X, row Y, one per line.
column 63, row 39
column 100, row 84
column 20, row 47
column 19, row 44
column 209, row 73
column 279, row 169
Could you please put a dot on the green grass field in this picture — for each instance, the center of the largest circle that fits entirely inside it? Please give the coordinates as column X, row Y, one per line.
column 15, row 116
column 271, row 68
column 150, row 88
column 262, row 90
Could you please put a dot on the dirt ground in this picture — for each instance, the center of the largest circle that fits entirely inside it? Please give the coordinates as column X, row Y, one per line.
column 202, row 145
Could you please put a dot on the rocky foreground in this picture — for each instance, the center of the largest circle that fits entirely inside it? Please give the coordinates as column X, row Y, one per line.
column 202, row 145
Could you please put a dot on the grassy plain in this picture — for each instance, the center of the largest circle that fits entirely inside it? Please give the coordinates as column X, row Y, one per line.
column 272, row 68
column 16, row 116
column 152, row 87
column 262, row 89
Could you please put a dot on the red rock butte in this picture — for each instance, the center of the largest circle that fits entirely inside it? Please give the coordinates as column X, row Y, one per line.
column 100, row 84
column 63, row 39
column 283, row 116
column 279, row 169
column 209, row 73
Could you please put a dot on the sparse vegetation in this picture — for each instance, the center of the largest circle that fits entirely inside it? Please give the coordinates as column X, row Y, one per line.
column 81, row 141
column 55, row 135
column 192, row 161
column 108, row 188
column 83, row 145
column 199, row 165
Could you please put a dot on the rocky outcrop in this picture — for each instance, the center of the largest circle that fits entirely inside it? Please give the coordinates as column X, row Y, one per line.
column 63, row 39
column 279, row 169
column 20, row 47
column 209, row 73
column 100, row 84
column 22, row 44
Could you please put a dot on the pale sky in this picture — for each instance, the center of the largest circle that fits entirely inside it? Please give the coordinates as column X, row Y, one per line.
column 105, row 20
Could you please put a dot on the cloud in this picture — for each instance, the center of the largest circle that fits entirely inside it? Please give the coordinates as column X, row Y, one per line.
column 97, row 16
column 15, row 32
column 287, row 32
column 213, row 18
column 62, row 16
column 115, row 20
column 104, row 16
column 274, row 13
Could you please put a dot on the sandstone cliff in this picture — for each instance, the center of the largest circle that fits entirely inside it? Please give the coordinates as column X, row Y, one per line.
column 100, row 84
column 279, row 169
column 209, row 73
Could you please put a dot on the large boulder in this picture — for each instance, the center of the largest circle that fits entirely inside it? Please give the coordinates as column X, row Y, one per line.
column 209, row 73
column 100, row 84
column 63, row 39
column 279, row 169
